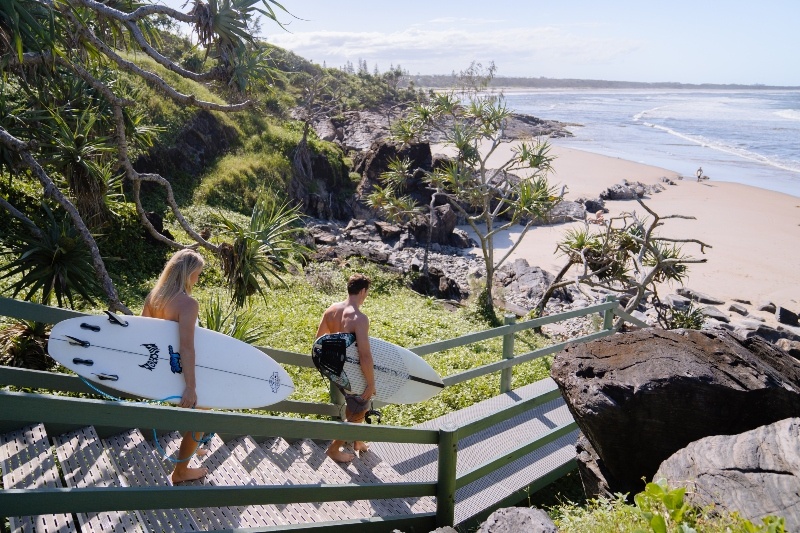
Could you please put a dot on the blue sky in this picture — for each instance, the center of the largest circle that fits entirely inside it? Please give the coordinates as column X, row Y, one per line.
column 696, row 41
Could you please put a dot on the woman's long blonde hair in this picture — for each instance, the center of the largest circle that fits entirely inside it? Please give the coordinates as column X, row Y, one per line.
column 174, row 279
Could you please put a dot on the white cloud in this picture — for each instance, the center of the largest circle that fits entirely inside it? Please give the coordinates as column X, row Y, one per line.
column 444, row 49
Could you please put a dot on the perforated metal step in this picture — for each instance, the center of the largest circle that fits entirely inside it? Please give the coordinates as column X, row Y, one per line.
column 139, row 467
column 418, row 462
column 292, row 461
column 85, row 463
column 223, row 470
column 27, row 461
column 264, row 471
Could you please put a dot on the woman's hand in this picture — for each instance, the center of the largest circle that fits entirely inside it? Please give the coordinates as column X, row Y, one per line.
column 189, row 398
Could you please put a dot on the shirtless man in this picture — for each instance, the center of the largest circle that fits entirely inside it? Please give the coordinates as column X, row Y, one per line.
column 346, row 317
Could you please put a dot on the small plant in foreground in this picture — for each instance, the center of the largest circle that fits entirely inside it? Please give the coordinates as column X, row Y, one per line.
column 658, row 509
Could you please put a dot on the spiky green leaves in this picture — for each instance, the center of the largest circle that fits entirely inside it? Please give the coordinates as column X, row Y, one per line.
column 261, row 252
column 54, row 263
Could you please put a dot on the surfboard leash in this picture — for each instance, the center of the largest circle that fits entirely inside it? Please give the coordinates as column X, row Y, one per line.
column 203, row 440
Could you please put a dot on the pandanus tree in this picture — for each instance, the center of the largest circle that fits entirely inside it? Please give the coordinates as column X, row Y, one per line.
column 628, row 256
column 69, row 121
column 484, row 189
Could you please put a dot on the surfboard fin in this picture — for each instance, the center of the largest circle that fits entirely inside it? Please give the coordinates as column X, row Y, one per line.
column 115, row 319
column 75, row 341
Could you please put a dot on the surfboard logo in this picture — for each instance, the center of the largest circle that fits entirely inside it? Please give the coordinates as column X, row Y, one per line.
column 175, row 361
column 152, row 361
column 275, row 382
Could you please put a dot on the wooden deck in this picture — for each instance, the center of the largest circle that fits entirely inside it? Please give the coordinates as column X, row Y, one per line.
column 131, row 459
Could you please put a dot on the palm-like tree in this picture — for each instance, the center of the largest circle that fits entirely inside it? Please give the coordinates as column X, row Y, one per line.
column 50, row 261
column 261, row 252
column 59, row 57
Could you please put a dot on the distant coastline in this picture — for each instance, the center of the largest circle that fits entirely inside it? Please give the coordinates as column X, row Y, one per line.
column 441, row 81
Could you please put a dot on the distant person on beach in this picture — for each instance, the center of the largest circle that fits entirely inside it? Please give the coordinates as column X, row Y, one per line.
column 598, row 218
column 346, row 317
column 171, row 299
column 699, row 173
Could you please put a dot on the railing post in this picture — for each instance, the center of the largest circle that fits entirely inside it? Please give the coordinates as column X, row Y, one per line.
column 608, row 314
column 446, row 477
column 508, row 353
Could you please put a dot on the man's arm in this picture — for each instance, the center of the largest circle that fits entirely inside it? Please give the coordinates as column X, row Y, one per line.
column 365, row 355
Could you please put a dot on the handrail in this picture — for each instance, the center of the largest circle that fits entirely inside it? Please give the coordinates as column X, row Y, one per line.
column 40, row 379
column 26, row 502
column 507, row 363
column 26, row 407
column 499, row 331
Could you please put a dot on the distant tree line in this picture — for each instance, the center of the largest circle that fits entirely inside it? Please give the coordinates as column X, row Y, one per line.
column 449, row 80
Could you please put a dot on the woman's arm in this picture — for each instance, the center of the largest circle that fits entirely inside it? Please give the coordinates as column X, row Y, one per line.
column 187, row 321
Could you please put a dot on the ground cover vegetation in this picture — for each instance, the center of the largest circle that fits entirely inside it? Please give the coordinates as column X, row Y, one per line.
column 657, row 509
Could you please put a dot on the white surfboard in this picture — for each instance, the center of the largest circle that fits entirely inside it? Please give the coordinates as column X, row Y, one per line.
column 401, row 376
column 141, row 356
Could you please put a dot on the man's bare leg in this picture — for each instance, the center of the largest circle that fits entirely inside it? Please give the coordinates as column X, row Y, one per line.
column 335, row 452
column 182, row 471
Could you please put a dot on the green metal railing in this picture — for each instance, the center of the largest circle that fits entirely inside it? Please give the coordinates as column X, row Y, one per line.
column 61, row 414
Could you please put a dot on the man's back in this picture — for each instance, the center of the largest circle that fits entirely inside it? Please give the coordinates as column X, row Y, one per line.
column 341, row 317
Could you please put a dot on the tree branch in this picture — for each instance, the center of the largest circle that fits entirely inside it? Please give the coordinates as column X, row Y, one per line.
column 52, row 191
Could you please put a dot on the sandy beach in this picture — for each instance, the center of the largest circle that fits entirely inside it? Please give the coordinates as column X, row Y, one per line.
column 753, row 232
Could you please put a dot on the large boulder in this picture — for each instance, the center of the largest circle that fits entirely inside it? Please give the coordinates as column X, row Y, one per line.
column 444, row 223
column 756, row 473
column 641, row 396
column 518, row 520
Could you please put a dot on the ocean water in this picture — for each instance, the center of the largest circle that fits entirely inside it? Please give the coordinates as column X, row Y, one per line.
column 744, row 136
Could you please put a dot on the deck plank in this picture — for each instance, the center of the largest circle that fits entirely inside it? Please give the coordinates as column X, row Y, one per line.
column 26, row 458
column 85, row 463
column 139, row 467
column 418, row 462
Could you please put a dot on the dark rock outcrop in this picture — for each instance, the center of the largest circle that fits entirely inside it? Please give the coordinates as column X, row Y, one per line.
column 444, row 223
column 755, row 473
column 641, row 396
column 699, row 297
column 784, row 316
column 203, row 139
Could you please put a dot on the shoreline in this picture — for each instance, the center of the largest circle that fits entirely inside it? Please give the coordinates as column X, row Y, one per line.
column 752, row 231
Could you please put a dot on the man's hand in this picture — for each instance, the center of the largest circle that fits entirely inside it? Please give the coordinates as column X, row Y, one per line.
column 369, row 392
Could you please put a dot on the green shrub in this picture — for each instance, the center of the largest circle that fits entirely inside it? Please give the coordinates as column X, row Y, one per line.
column 658, row 509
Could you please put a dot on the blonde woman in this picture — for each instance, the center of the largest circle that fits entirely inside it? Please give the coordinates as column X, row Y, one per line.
column 171, row 299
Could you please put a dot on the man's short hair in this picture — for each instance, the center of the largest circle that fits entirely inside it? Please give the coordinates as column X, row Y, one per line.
column 357, row 283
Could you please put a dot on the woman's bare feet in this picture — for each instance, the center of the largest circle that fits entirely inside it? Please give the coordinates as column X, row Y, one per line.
column 360, row 446
column 179, row 475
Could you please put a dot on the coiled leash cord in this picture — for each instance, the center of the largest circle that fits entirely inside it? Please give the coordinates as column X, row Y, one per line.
column 161, row 450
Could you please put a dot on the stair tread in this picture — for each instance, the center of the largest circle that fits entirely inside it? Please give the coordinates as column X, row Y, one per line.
column 139, row 468
column 85, row 463
column 290, row 461
column 260, row 467
column 223, row 470
column 27, row 462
